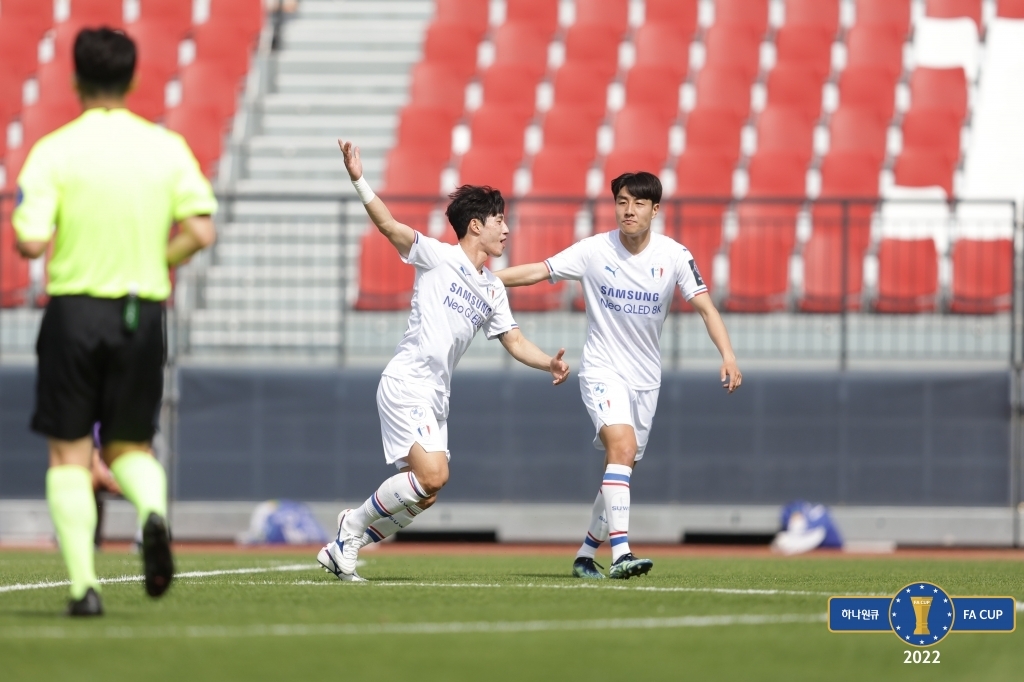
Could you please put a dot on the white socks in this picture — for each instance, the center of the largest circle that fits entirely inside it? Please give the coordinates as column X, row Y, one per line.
column 389, row 525
column 397, row 494
column 598, row 531
column 615, row 489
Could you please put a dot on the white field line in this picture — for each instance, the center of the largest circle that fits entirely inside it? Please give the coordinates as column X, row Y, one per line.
column 333, row 630
column 139, row 578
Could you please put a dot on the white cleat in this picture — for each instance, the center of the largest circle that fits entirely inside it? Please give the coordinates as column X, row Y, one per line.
column 326, row 557
column 340, row 557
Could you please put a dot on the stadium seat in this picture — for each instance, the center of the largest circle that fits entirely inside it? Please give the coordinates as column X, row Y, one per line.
column 698, row 230
column 57, row 105
column 148, row 96
column 426, row 130
column 820, row 13
column 785, row 129
column 581, row 85
column 655, row 88
column 704, row 182
column 640, row 129
column 521, row 43
column 1010, row 9
column 36, row 16
column 19, row 47
column 759, row 268
column 850, row 174
column 157, row 47
column 716, row 130
column 499, row 127
column 807, row 46
column 451, row 45
column 474, row 14
column 604, row 220
column 10, row 102
column 225, row 44
column 611, row 13
column 571, row 128
column 597, row 46
column 777, row 173
column 954, row 9
column 207, row 86
column 733, row 46
column 438, row 86
column 621, row 161
column 204, row 131
column 97, row 12
column 662, row 46
column 724, row 89
column 704, row 173
column 542, row 14
column 858, row 130
column 541, row 229
column 933, row 131
column 245, row 15
column 877, row 46
column 483, row 165
column 174, row 16
column 939, row 89
column 385, row 282
column 797, row 88
column 907, row 276
column 408, row 172
column 869, row 88
column 982, row 276
column 752, row 13
column 513, row 86
column 678, row 15
column 894, row 14
column 560, row 172
column 823, row 273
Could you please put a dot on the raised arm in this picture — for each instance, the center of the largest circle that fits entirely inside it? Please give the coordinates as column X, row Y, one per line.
column 523, row 350
column 730, row 372
column 401, row 236
column 524, row 275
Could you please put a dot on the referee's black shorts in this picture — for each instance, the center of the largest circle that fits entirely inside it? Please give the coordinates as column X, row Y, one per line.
column 92, row 370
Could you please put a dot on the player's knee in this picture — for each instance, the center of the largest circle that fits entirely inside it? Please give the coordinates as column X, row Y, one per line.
column 432, row 480
column 427, row 502
column 624, row 455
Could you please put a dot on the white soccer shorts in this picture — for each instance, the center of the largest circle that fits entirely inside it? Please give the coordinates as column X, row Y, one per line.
column 610, row 401
column 411, row 413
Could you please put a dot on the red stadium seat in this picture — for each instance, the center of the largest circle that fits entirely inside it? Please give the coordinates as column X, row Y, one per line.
column 954, row 9
column 451, row 45
column 877, row 46
column 807, row 46
column 35, row 14
column 892, row 13
column 777, row 173
column 542, row 14
column 724, row 89
column 581, row 85
column 698, row 224
column 174, row 16
column 597, row 46
column 604, row 221
column 225, row 44
column 97, row 12
column 654, row 88
column 499, row 127
column 870, row 88
column 513, row 86
column 823, row 273
column 203, row 130
column 704, row 173
column 438, row 86
column 850, row 174
column 521, row 43
column 759, row 268
column 157, row 47
column 752, row 13
column 14, row 159
column 621, row 161
column 426, row 130
column 483, row 165
column 797, row 88
column 611, row 13
column 821, row 13
column 639, row 129
column 571, row 128
column 148, row 96
column 982, row 276
column 679, row 15
column 939, row 89
column 1010, row 9
column 11, row 85
column 245, row 15
column 207, row 86
column 661, row 46
column 541, row 230
column 57, row 105
column 473, row 14
column 787, row 130
column 385, row 282
column 700, row 231
column 19, row 47
column 733, row 46
column 560, row 172
column 715, row 130
column 907, row 276
column 409, row 172
column 857, row 130
column 934, row 131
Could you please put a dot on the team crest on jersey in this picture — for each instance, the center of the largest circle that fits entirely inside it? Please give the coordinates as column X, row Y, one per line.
column 418, row 414
column 492, row 291
column 423, row 431
column 600, row 390
column 657, row 272
column 604, row 405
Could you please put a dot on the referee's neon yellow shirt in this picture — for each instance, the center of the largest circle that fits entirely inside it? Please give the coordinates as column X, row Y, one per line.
column 111, row 183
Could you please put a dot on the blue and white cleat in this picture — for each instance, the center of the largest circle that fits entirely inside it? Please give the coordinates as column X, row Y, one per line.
column 340, row 557
column 585, row 567
column 628, row 566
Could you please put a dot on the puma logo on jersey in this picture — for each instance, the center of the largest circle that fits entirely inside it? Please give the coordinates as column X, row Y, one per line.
column 612, row 270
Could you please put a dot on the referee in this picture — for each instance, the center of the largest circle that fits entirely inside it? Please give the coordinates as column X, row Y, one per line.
column 111, row 184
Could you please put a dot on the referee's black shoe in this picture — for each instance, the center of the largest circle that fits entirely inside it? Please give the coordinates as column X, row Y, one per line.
column 88, row 605
column 156, row 555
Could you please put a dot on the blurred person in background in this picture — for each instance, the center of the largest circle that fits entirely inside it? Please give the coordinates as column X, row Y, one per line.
column 105, row 190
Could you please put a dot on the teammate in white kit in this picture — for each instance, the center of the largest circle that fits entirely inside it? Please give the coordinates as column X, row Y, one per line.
column 628, row 277
column 454, row 296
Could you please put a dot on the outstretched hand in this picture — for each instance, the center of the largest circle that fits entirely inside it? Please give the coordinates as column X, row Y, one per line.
column 559, row 368
column 732, row 377
column 353, row 163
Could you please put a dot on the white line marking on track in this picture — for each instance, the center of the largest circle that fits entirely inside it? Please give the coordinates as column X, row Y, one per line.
column 339, row 629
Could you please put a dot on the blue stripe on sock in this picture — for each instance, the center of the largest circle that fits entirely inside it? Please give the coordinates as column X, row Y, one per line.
column 380, row 509
column 616, row 477
column 376, row 537
column 619, row 540
column 591, row 543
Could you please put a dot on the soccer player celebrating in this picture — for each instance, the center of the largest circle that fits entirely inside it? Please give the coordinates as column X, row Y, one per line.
column 454, row 296
column 628, row 276
column 113, row 184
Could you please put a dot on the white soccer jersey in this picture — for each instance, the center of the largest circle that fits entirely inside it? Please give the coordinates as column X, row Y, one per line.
column 628, row 298
column 450, row 302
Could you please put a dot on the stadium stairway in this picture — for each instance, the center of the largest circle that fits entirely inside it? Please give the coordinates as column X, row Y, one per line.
column 273, row 284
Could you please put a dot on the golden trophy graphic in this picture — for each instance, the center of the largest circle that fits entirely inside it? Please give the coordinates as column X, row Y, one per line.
column 921, row 608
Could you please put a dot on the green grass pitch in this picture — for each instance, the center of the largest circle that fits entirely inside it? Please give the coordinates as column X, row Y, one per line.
column 469, row 616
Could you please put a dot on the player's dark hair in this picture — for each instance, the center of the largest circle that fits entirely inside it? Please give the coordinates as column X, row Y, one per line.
column 473, row 201
column 642, row 185
column 104, row 61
